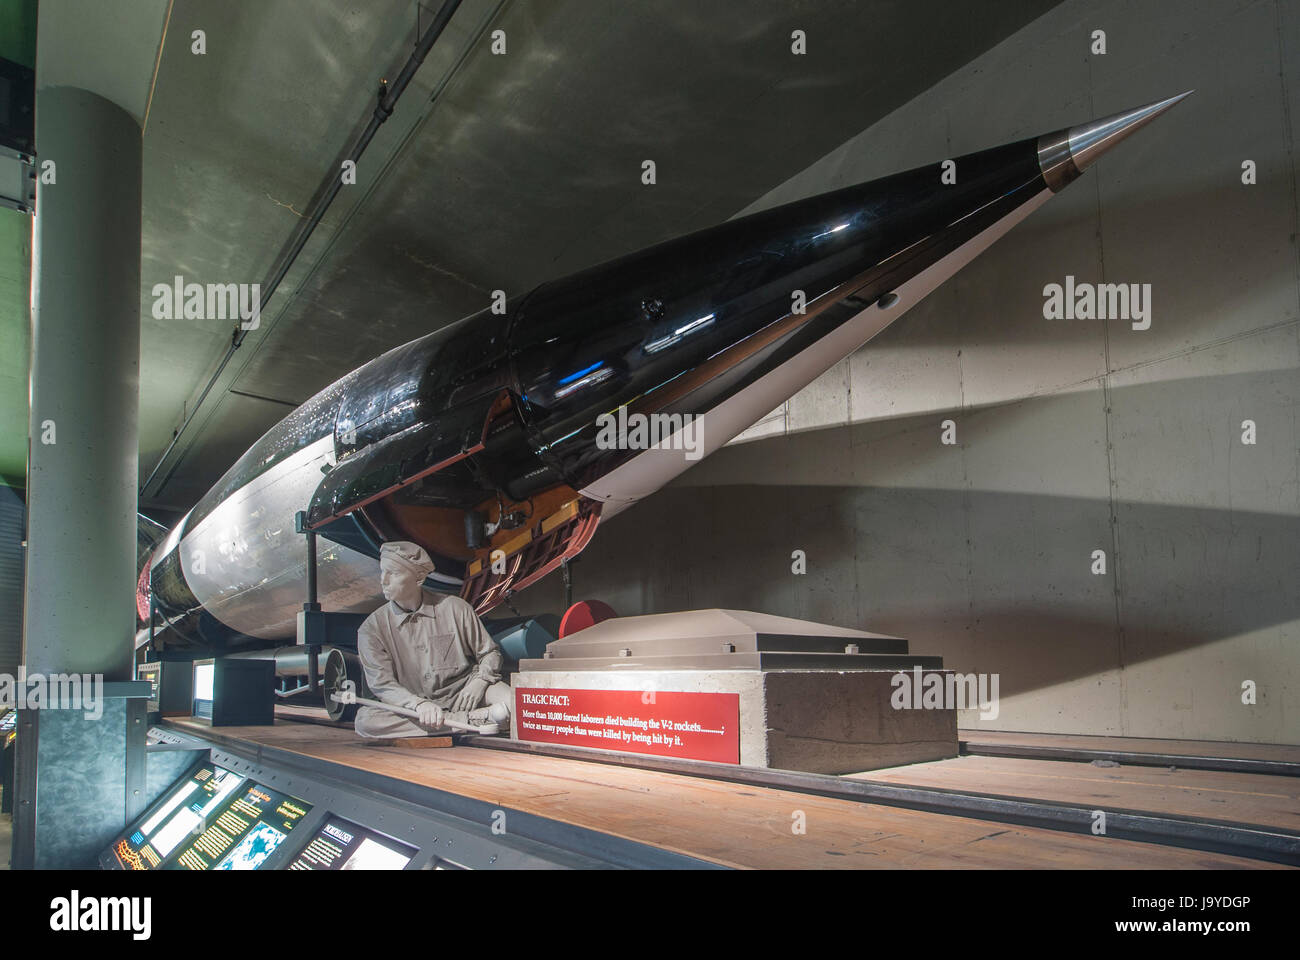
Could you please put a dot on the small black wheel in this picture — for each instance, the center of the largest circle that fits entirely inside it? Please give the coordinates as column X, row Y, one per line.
column 342, row 673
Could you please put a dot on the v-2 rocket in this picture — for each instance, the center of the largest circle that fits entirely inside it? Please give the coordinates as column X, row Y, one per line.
column 487, row 441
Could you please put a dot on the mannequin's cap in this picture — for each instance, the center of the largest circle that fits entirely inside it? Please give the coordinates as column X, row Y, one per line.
column 408, row 556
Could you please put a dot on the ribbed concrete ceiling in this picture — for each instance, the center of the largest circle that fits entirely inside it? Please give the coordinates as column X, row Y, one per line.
column 495, row 171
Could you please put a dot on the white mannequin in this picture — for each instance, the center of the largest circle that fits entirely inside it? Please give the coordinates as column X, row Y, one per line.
column 425, row 653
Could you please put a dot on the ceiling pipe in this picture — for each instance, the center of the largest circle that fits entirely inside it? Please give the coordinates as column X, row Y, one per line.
column 328, row 190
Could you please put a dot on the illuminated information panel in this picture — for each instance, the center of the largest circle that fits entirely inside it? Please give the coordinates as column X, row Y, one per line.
column 213, row 819
column 245, row 833
column 342, row 845
column 153, row 673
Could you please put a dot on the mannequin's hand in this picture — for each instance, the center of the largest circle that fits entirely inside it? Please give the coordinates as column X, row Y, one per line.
column 471, row 695
column 430, row 713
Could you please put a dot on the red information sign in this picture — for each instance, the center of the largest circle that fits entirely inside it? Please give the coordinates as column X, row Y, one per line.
column 695, row 726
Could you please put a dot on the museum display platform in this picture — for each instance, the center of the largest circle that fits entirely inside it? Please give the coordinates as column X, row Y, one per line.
column 735, row 686
column 579, row 807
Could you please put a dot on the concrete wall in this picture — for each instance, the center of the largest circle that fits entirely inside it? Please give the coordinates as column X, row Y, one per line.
column 1073, row 436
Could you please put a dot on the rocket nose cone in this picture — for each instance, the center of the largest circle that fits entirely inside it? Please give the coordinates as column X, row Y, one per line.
column 1088, row 141
column 1064, row 155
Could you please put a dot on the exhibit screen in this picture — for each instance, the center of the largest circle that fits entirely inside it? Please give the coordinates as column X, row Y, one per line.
column 246, row 833
column 343, row 845
column 204, row 679
column 186, row 810
column 152, row 672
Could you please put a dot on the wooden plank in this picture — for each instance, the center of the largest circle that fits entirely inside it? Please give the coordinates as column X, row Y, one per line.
column 1207, row 794
column 413, row 743
column 1281, row 752
column 733, row 824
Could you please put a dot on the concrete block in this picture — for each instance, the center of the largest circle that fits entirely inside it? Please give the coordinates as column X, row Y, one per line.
column 813, row 721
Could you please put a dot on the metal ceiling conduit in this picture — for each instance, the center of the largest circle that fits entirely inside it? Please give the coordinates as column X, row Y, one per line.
column 388, row 96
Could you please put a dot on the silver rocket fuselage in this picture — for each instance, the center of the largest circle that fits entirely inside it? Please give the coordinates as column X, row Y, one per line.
column 497, row 413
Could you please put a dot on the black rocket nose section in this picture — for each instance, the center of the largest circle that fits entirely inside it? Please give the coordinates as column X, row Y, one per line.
column 1065, row 154
column 693, row 325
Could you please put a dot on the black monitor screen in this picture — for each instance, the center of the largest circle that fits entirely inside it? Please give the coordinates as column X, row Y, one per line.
column 342, row 845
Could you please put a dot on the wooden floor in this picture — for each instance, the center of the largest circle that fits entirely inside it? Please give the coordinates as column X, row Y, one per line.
column 733, row 824
column 1195, row 748
column 1205, row 794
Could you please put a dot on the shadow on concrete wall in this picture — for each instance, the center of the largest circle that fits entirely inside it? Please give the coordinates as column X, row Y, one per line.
column 1042, row 617
column 1002, row 580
